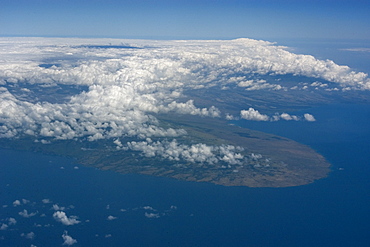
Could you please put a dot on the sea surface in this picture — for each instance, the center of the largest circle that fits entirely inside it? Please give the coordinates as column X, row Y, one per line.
column 112, row 209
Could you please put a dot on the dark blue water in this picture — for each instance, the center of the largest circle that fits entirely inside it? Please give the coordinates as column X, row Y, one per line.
column 330, row 212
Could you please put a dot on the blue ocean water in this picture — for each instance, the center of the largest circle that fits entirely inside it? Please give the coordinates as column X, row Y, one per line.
column 150, row 211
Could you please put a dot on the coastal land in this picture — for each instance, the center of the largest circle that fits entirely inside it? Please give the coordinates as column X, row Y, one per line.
column 280, row 162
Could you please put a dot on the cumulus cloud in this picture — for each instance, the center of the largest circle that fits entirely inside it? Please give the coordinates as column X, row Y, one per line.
column 68, row 240
column 255, row 115
column 252, row 114
column 149, row 208
column 30, row 235
column 25, row 214
column 251, row 85
column 46, row 201
column 152, row 215
column 11, row 221
column 61, row 217
column 16, row 203
column 56, row 207
column 309, row 117
column 3, row 226
column 110, row 217
column 124, row 89
column 196, row 153
column 25, row 201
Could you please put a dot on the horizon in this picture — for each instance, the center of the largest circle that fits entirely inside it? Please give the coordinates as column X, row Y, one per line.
column 176, row 20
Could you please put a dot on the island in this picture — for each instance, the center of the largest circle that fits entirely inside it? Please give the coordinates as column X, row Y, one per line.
column 276, row 161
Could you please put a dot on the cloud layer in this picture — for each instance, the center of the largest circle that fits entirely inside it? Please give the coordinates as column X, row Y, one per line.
column 125, row 87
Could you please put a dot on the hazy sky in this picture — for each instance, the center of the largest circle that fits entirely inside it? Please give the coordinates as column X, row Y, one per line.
column 191, row 19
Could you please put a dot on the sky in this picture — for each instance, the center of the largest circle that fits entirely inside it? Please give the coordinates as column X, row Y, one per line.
column 180, row 19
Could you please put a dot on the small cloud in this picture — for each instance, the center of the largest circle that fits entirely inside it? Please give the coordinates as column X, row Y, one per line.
column 25, row 201
column 255, row 115
column 110, row 217
column 76, row 168
column 309, row 117
column 68, row 240
column 56, row 207
column 61, row 217
column 12, row 221
column 30, row 235
column 46, row 201
column 288, row 117
column 3, row 227
column 149, row 208
column 230, row 117
column 151, row 215
column 108, row 235
column 252, row 114
column 16, row 203
column 25, row 214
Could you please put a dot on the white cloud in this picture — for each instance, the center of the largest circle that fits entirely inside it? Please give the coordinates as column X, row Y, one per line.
column 284, row 116
column 125, row 88
column 149, row 208
column 151, row 215
column 68, row 240
column 56, row 207
column 255, row 115
column 30, row 235
column 25, row 214
column 16, row 203
column 46, row 201
column 309, row 117
column 110, row 217
column 3, row 226
column 252, row 114
column 12, row 221
column 196, row 153
column 251, row 85
column 61, row 216
column 25, row 201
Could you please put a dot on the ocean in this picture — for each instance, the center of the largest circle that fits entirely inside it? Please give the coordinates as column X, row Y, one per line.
column 103, row 208
column 151, row 211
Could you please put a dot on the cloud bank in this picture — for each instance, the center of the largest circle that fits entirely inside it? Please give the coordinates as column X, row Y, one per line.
column 124, row 88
